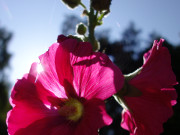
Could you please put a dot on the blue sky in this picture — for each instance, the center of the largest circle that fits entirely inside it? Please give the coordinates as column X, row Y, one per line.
column 36, row 24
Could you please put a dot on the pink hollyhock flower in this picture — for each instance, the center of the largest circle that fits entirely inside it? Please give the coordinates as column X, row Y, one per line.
column 67, row 97
column 146, row 114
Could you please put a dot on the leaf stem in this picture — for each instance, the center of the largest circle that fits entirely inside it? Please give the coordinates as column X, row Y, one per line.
column 83, row 5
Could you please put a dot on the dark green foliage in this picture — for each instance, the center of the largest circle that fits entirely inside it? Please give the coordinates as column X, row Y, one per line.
column 69, row 24
column 4, row 55
column 4, row 84
column 3, row 128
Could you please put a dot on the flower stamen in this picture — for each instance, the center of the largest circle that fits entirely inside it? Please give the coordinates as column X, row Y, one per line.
column 72, row 110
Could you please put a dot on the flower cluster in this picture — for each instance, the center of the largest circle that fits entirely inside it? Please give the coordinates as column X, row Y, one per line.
column 67, row 96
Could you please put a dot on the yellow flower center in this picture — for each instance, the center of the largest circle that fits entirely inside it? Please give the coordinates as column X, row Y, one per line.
column 72, row 110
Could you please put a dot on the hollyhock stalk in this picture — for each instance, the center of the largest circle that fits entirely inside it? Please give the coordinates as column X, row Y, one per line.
column 67, row 97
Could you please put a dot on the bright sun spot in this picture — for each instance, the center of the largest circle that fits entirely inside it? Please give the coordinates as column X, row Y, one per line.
column 39, row 68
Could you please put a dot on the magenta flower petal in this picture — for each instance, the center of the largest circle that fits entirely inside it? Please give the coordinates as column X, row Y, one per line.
column 46, row 126
column 28, row 105
column 67, row 97
column 21, row 117
column 49, row 77
column 90, row 67
column 95, row 108
column 148, row 112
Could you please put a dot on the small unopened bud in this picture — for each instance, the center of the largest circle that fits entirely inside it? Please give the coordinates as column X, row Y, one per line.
column 101, row 5
column 85, row 13
column 72, row 3
column 81, row 29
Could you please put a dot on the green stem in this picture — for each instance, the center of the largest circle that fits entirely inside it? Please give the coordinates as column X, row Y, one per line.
column 83, row 5
column 92, row 24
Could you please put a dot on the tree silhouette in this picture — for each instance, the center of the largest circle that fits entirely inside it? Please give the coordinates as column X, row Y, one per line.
column 131, row 39
column 4, row 84
column 69, row 24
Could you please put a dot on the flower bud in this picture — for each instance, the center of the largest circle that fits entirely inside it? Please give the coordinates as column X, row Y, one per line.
column 85, row 13
column 100, row 5
column 81, row 29
column 72, row 3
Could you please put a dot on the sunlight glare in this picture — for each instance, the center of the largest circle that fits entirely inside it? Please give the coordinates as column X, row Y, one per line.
column 39, row 68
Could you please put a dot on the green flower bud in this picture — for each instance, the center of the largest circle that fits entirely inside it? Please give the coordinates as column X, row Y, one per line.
column 85, row 13
column 72, row 3
column 81, row 29
column 101, row 5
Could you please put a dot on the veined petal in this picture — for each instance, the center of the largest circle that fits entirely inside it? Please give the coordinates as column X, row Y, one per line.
column 49, row 77
column 95, row 76
column 157, row 72
column 64, row 68
column 156, row 80
column 26, row 92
